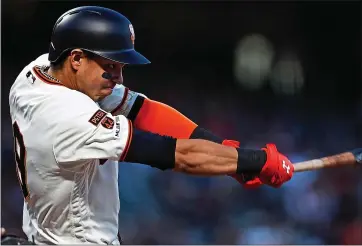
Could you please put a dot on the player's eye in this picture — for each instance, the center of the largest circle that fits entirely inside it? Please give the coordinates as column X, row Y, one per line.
column 111, row 66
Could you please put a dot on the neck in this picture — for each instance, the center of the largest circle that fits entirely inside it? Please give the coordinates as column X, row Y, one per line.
column 66, row 77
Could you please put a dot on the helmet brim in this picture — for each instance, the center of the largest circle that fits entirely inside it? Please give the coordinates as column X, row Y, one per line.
column 130, row 56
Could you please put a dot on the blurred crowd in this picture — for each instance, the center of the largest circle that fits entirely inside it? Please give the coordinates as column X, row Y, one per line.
column 192, row 71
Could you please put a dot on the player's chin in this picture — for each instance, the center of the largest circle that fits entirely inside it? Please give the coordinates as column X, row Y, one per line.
column 102, row 94
column 106, row 91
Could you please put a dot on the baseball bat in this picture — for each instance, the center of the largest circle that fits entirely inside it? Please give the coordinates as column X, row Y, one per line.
column 349, row 158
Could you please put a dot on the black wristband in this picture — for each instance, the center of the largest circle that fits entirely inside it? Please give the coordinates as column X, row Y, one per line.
column 152, row 149
column 201, row 133
column 250, row 161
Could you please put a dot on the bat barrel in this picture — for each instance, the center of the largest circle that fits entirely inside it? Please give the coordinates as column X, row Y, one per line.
column 343, row 159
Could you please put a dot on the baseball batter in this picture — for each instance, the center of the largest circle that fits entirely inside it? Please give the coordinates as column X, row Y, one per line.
column 73, row 121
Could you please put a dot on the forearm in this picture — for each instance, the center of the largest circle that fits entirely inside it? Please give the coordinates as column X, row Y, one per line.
column 162, row 119
column 192, row 156
column 203, row 157
column 156, row 117
column 159, row 118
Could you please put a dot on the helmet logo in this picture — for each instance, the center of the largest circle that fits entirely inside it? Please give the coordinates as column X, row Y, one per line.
column 133, row 37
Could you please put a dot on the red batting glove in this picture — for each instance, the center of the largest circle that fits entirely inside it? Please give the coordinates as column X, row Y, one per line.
column 232, row 143
column 277, row 169
column 246, row 180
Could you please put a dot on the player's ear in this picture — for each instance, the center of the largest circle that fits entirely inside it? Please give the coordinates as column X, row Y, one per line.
column 76, row 57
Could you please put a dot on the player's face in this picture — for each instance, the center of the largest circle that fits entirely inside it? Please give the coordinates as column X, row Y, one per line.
column 91, row 81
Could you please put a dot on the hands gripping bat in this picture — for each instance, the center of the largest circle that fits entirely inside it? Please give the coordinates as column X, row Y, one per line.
column 350, row 158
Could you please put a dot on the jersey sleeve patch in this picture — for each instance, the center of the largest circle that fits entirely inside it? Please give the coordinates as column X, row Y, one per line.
column 107, row 123
column 97, row 117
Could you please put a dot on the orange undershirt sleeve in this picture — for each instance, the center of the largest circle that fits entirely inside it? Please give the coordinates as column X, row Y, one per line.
column 157, row 117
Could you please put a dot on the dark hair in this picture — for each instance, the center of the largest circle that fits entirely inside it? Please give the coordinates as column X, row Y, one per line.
column 58, row 64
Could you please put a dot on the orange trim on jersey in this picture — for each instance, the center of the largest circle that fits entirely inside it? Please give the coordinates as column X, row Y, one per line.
column 43, row 78
column 120, row 105
column 162, row 119
column 129, row 140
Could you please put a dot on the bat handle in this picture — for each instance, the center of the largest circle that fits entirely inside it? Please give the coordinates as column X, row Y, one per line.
column 308, row 165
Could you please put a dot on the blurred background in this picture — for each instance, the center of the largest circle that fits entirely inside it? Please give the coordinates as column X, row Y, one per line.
column 283, row 72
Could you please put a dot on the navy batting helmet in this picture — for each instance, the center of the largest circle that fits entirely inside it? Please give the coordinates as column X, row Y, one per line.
column 99, row 30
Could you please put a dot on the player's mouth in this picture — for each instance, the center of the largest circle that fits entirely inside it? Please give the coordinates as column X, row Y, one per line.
column 110, row 86
column 108, row 89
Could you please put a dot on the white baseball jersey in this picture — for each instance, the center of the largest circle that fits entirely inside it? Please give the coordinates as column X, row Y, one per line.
column 61, row 137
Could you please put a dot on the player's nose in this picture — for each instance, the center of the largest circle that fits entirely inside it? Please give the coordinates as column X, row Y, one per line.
column 118, row 79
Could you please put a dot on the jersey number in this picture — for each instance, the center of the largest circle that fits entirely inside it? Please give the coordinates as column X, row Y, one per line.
column 20, row 157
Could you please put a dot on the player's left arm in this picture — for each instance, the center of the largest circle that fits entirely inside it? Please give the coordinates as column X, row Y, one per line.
column 153, row 116
column 157, row 117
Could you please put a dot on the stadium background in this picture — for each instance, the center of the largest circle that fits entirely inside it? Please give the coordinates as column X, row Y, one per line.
column 288, row 73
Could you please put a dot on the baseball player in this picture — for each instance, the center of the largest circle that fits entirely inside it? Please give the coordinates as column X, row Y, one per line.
column 73, row 121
